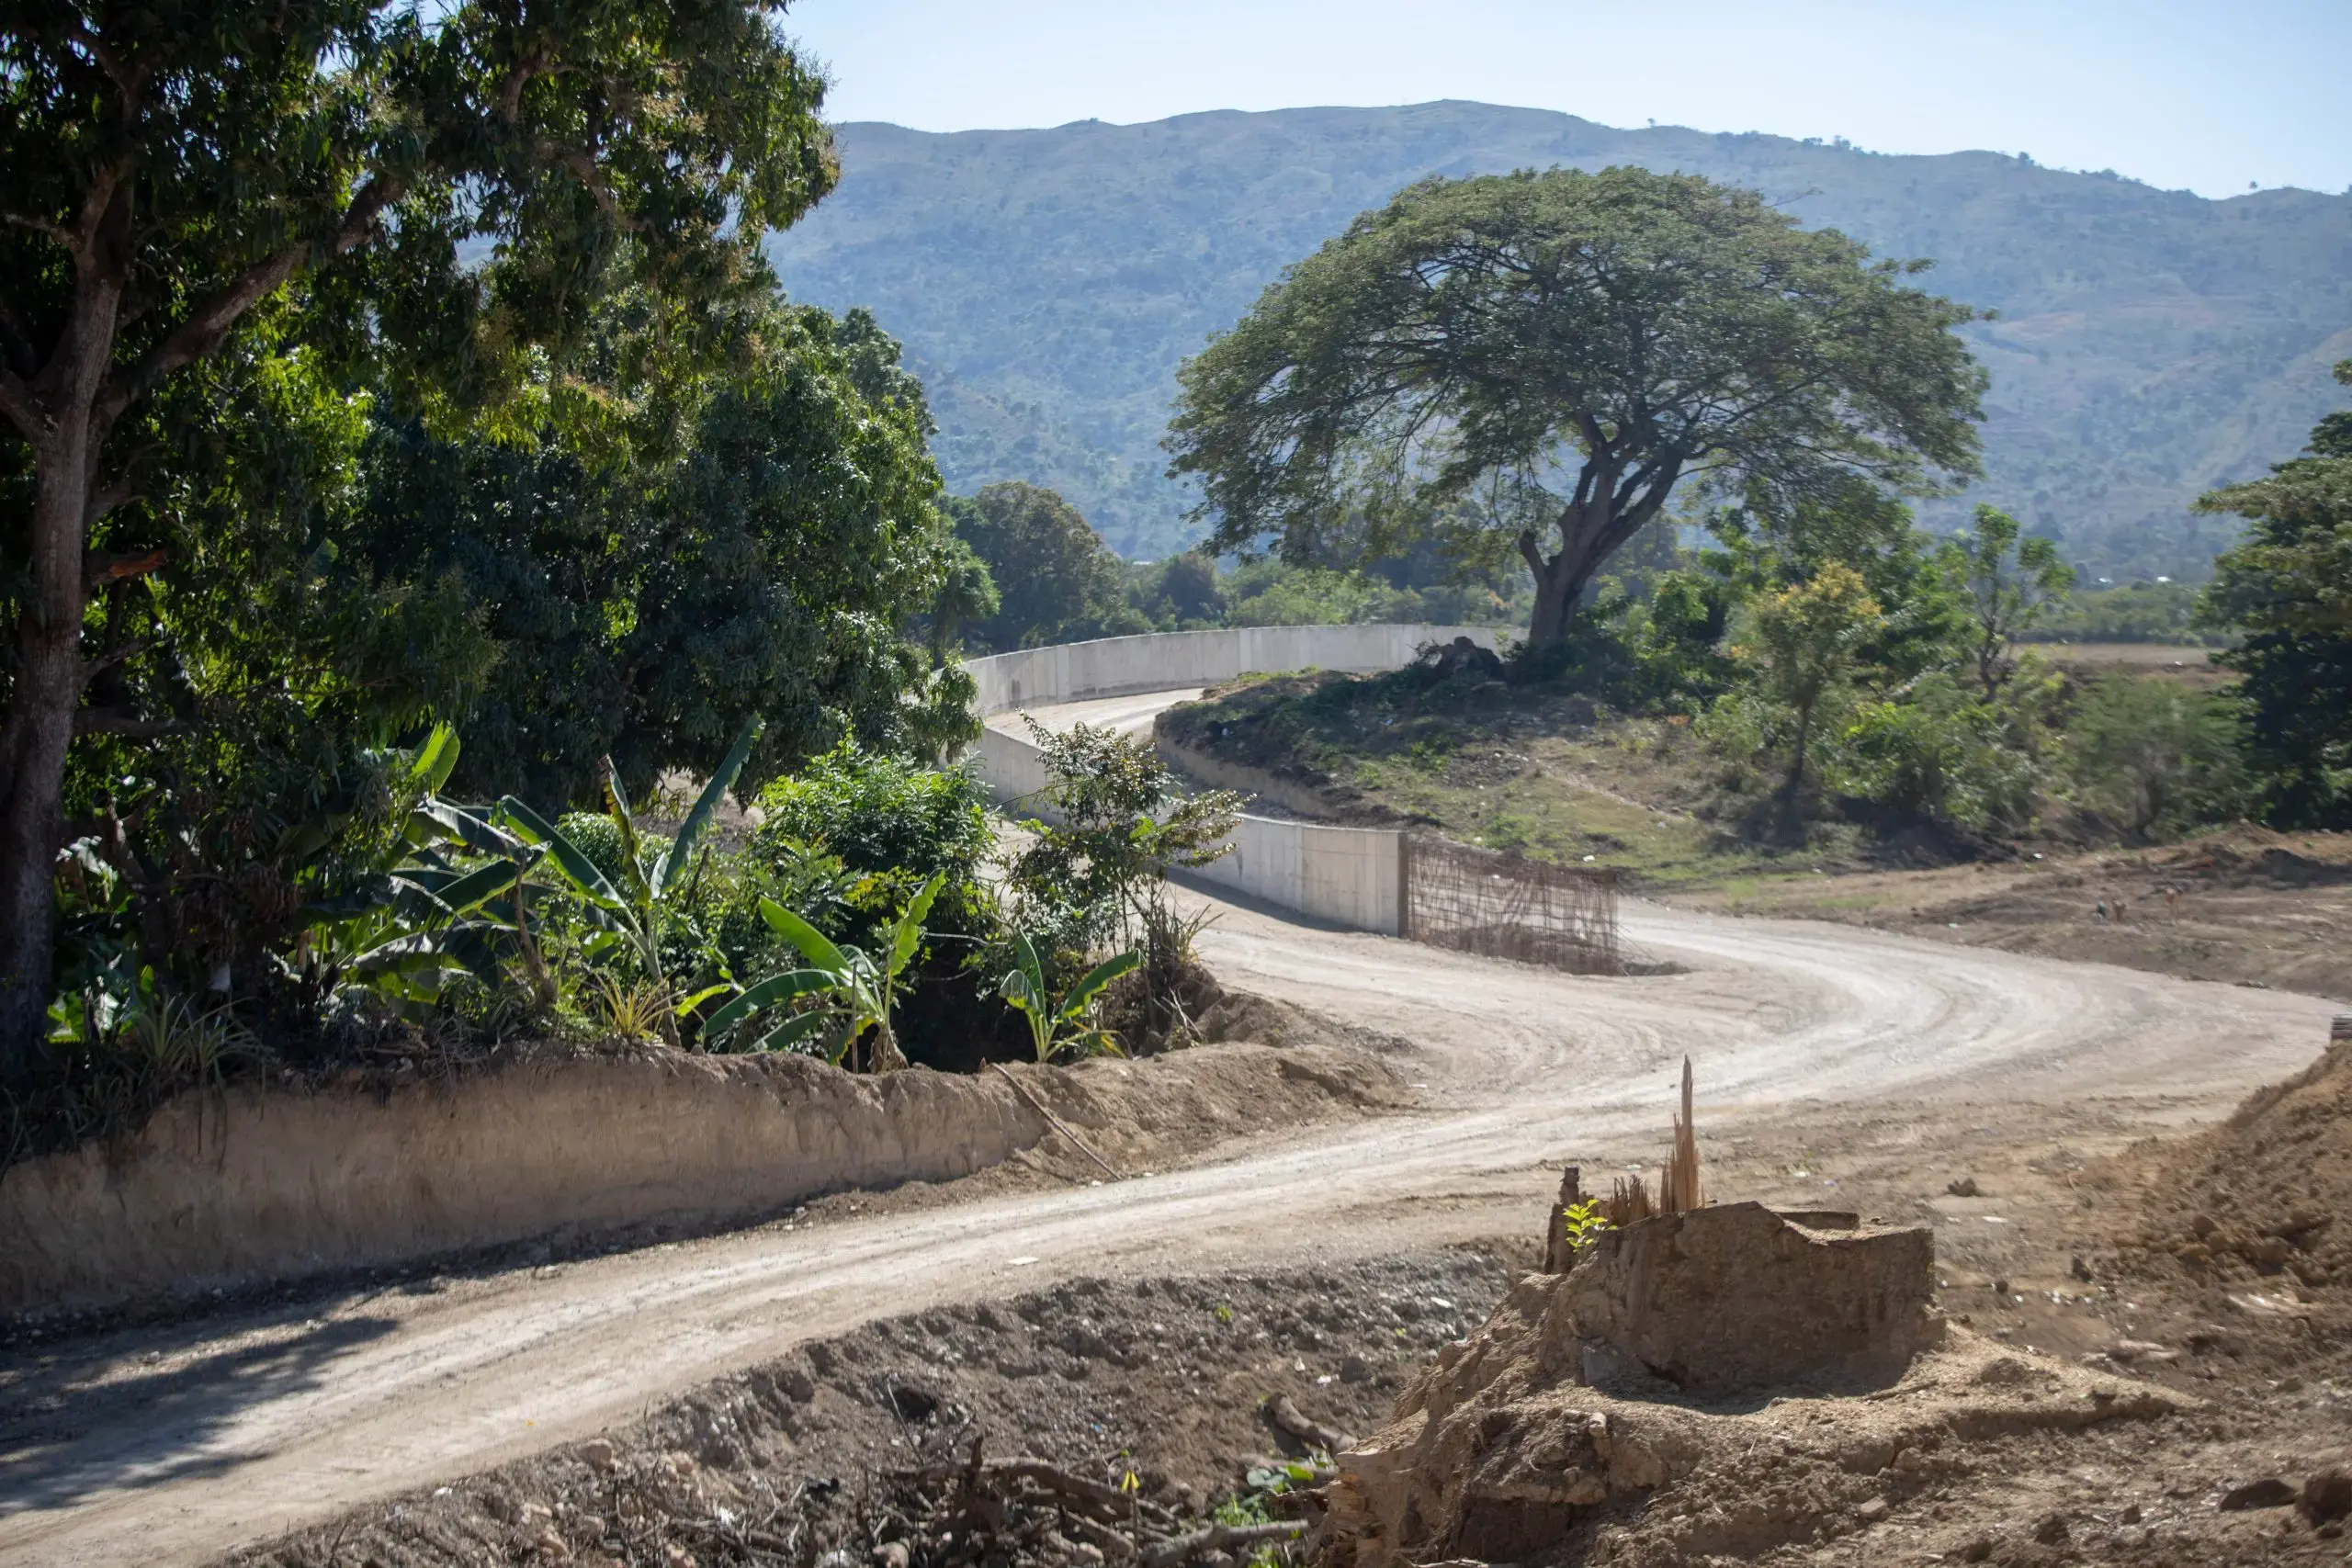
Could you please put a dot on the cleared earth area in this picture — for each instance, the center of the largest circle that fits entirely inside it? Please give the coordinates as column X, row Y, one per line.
column 1836, row 1065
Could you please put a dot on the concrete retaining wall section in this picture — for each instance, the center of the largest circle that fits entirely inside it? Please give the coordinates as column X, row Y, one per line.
column 1346, row 875
column 264, row 1184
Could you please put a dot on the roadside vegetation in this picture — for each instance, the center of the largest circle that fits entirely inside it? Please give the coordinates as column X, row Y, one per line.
column 1829, row 688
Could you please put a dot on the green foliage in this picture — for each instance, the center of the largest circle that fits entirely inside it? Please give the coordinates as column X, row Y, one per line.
column 1939, row 751
column 1055, row 1026
column 1064, row 273
column 1544, row 354
column 1115, row 824
column 633, row 910
column 862, row 987
column 2154, row 757
column 1056, row 581
column 1583, row 1221
column 444, row 194
column 2287, row 590
column 2131, row 612
column 2008, row 585
column 1803, row 642
column 765, row 540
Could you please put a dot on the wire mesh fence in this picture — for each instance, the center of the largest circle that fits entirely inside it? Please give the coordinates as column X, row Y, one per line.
column 1475, row 900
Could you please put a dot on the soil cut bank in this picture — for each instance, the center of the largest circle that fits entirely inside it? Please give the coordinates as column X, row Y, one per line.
column 257, row 1184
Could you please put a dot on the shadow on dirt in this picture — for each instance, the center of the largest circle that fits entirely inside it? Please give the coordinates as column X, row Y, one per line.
column 68, row 1432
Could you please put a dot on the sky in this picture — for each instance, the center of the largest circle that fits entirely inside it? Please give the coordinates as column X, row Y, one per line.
column 2214, row 97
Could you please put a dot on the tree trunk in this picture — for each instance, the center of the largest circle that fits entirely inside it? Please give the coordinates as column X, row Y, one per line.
column 33, row 744
column 1796, row 763
column 1559, row 581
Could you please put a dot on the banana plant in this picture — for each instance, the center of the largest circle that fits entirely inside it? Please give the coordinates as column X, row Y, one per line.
column 862, row 987
column 424, row 919
column 1056, row 1027
column 633, row 910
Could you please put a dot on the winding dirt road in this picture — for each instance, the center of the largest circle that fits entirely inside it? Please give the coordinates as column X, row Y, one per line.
column 180, row 1444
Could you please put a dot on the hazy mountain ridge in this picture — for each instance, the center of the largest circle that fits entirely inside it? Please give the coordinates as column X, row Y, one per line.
column 2151, row 343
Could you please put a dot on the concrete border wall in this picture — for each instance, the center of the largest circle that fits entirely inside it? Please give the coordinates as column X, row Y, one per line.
column 1349, row 876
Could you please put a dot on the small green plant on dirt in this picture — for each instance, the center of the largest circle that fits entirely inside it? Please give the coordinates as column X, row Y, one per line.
column 1583, row 1221
column 860, row 988
column 1069, row 1024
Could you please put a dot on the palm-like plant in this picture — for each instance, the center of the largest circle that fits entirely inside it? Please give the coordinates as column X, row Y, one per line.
column 633, row 912
column 862, row 987
column 1056, row 1027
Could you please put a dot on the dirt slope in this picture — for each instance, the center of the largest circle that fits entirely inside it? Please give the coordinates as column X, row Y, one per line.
column 243, row 1428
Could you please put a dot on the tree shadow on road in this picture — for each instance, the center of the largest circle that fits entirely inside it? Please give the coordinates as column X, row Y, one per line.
column 112, row 1424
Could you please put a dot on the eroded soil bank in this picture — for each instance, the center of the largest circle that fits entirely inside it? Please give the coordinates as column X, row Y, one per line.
column 260, row 1184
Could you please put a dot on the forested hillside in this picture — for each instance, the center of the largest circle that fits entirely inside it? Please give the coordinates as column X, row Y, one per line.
column 2150, row 344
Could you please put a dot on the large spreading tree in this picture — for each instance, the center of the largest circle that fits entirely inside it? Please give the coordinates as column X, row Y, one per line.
column 1539, row 359
column 444, row 191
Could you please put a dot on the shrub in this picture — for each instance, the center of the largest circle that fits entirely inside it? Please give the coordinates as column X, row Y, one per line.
column 1941, row 751
column 2154, row 757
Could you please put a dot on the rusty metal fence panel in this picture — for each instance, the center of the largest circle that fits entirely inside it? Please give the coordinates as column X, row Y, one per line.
column 1475, row 900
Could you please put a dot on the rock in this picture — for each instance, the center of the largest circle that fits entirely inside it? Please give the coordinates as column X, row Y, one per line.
column 1735, row 1298
column 2141, row 1350
column 1871, row 1512
column 2271, row 1251
column 1355, row 1369
column 2130, row 1515
column 552, row 1547
column 1978, row 1551
column 1965, row 1188
column 2268, row 1493
column 599, row 1456
column 890, row 1554
column 2050, row 1528
column 2328, row 1495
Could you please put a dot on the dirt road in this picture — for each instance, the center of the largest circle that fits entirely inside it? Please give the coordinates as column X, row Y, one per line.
column 175, row 1445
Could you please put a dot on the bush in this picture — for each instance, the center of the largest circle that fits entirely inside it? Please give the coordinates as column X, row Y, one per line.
column 1940, row 751
column 2154, row 757
column 878, row 814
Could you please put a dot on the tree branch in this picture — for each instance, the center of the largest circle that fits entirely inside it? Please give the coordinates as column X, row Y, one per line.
column 100, row 567
column 212, row 321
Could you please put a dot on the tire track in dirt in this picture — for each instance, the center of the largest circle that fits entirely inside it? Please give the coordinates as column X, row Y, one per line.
column 274, row 1427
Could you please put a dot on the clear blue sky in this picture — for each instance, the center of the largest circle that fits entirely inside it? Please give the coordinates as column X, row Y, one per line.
column 2202, row 94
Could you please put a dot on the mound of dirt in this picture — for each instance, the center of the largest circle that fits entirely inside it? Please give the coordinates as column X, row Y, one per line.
column 1153, row 1390
column 1725, row 1300
column 1498, row 1455
column 2253, row 1217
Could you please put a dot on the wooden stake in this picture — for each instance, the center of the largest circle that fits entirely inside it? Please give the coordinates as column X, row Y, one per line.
column 1059, row 1124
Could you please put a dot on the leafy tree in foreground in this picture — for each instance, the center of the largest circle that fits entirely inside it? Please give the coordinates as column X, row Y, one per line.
column 2288, row 589
column 164, row 171
column 645, row 604
column 1544, row 357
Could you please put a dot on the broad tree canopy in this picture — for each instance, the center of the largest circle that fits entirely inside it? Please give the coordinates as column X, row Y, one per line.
column 1540, row 359
column 446, row 187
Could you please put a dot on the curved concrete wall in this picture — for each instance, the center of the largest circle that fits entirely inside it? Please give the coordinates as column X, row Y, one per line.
column 1349, row 876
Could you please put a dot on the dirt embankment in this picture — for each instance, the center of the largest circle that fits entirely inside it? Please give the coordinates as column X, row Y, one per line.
column 1154, row 1389
column 221, row 1192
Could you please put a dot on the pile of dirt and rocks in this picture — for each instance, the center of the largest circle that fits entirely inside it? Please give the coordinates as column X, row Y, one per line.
column 2249, row 1225
column 1107, row 1412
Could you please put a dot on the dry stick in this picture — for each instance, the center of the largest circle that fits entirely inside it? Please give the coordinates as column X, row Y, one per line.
column 1168, row 1554
column 1679, row 1184
column 1059, row 1125
column 1291, row 1419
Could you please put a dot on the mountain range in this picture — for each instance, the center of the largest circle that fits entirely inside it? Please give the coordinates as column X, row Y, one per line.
column 2148, row 344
